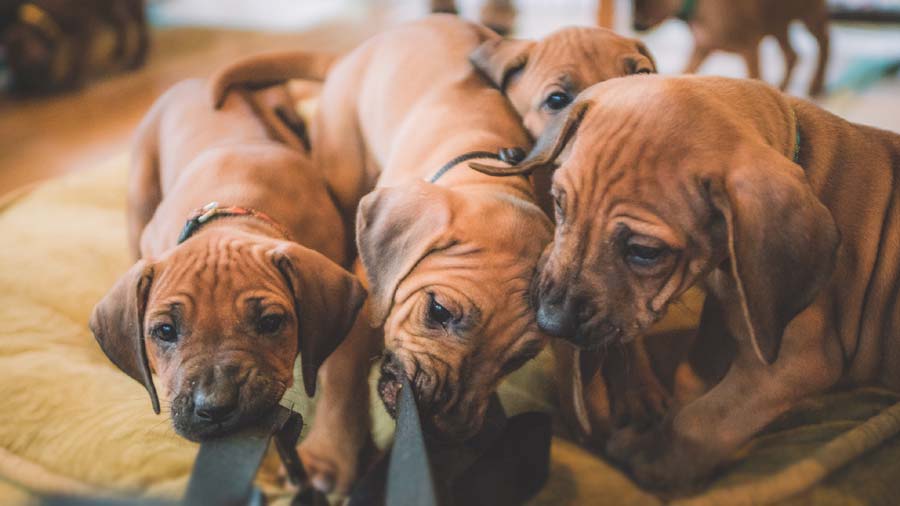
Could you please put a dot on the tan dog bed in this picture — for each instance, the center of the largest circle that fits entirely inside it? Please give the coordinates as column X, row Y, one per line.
column 72, row 423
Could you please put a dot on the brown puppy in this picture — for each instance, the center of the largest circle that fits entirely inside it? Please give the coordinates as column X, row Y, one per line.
column 665, row 183
column 220, row 307
column 540, row 78
column 738, row 26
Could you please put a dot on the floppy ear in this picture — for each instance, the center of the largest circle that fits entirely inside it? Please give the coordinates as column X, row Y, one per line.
column 642, row 49
column 499, row 59
column 549, row 145
column 118, row 325
column 782, row 246
column 327, row 299
column 395, row 228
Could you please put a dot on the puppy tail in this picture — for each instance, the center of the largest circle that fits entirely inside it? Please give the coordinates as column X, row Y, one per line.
column 265, row 69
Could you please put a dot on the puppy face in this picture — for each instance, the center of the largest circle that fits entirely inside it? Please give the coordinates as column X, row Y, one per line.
column 219, row 320
column 649, row 13
column 542, row 78
column 450, row 275
column 645, row 210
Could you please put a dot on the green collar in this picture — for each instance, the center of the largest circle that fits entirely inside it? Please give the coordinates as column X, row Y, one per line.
column 687, row 10
column 796, row 137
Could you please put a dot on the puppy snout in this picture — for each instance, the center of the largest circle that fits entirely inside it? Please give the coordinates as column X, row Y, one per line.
column 553, row 319
column 216, row 398
column 554, row 310
column 216, row 406
column 389, row 382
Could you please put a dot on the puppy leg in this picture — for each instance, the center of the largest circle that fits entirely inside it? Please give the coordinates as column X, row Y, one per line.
column 817, row 24
column 341, row 428
column 790, row 56
column 751, row 395
column 637, row 397
column 144, row 190
column 700, row 53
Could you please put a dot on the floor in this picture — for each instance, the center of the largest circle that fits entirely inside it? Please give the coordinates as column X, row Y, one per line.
column 40, row 138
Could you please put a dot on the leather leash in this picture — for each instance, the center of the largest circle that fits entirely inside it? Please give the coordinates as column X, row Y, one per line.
column 511, row 156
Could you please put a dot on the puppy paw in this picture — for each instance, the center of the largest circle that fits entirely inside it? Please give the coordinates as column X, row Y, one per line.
column 334, row 463
column 330, row 468
column 321, row 470
column 660, row 460
column 641, row 406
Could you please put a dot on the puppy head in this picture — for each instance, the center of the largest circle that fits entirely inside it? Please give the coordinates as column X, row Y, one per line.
column 449, row 276
column 542, row 78
column 664, row 182
column 221, row 319
column 649, row 13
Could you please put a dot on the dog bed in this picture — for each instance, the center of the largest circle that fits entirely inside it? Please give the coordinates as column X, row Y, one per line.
column 72, row 423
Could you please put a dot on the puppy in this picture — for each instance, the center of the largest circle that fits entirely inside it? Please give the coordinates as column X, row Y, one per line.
column 786, row 215
column 240, row 249
column 738, row 26
column 48, row 42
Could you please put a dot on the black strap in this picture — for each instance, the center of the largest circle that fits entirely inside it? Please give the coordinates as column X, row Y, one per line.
column 511, row 156
column 410, row 480
column 226, row 467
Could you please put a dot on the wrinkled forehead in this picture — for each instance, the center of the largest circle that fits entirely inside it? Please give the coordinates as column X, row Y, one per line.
column 232, row 274
column 502, row 226
column 584, row 55
column 635, row 149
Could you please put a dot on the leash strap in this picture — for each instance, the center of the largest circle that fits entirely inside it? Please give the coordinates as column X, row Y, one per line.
column 410, row 479
column 213, row 211
column 511, row 156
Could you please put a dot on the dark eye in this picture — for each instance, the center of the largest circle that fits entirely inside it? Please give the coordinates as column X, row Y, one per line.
column 558, row 100
column 643, row 255
column 438, row 313
column 644, row 71
column 165, row 332
column 270, row 324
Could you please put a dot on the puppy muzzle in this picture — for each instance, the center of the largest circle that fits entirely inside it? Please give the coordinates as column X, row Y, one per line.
column 442, row 418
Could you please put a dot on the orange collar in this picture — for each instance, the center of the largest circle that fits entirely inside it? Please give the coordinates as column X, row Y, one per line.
column 212, row 211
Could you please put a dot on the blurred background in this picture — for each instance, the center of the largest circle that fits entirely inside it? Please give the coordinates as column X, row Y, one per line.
column 97, row 81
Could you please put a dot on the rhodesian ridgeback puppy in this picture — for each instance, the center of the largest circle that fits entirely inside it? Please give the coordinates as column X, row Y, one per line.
column 786, row 215
column 739, row 26
column 222, row 299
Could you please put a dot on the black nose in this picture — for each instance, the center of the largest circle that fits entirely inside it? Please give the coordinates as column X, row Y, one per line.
column 216, row 406
column 216, row 398
column 556, row 320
